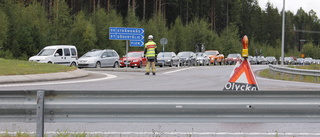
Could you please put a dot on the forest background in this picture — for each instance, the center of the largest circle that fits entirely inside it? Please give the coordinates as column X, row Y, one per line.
column 26, row 26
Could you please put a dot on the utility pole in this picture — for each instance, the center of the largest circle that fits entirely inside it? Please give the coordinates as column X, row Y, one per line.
column 283, row 25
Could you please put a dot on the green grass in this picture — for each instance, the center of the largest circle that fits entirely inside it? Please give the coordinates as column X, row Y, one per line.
column 289, row 77
column 20, row 67
column 58, row 134
column 312, row 67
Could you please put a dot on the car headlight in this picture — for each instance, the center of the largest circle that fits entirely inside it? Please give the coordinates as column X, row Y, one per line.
column 91, row 61
column 43, row 58
column 135, row 60
column 169, row 60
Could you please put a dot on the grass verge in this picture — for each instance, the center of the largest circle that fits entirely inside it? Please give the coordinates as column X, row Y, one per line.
column 58, row 134
column 19, row 67
column 289, row 77
column 312, row 67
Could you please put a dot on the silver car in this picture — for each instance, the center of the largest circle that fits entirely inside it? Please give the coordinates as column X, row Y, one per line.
column 271, row 60
column 308, row 61
column 97, row 58
column 202, row 59
column 167, row 59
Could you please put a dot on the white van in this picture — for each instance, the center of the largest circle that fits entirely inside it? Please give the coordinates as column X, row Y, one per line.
column 57, row 54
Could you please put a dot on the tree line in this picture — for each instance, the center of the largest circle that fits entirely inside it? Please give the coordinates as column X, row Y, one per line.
column 26, row 26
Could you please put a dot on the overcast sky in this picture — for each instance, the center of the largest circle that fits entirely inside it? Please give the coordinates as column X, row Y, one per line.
column 293, row 5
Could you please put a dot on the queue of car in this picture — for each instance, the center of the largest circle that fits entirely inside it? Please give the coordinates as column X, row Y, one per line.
column 97, row 58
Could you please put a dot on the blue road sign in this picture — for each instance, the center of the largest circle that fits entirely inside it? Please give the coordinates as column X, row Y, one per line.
column 135, row 35
column 136, row 43
column 125, row 37
column 119, row 30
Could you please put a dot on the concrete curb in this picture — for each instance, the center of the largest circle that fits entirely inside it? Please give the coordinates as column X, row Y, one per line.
column 43, row 77
column 68, row 75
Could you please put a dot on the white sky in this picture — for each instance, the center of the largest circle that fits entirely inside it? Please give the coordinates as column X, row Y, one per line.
column 293, row 5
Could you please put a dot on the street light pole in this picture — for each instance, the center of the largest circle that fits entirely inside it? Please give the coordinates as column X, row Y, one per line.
column 283, row 25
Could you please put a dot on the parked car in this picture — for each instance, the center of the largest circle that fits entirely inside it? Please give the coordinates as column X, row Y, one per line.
column 252, row 60
column 215, row 56
column 188, row 58
column 98, row 58
column 308, row 61
column 299, row 61
column 57, row 54
column 261, row 60
column 232, row 58
column 202, row 59
column 168, row 59
column 271, row 60
column 288, row 61
column 317, row 61
column 133, row 59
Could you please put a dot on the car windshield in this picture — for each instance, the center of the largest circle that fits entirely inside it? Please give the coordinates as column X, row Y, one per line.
column 165, row 54
column 308, row 59
column 184, row 54
column 92, row 53
column 269, row 58
column 46, row 52
column 199, row 55
column 299, row 59
column 232, row 55
column 211, row 52
column 134, row 54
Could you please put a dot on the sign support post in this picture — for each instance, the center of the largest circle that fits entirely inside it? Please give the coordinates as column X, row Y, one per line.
column 127, row 49
column 163, row 42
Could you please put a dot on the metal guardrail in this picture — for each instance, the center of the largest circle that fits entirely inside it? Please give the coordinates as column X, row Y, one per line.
column 160, row 106
column 294, row 71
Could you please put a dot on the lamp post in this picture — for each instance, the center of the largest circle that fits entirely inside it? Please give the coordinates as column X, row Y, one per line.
column 283, row 25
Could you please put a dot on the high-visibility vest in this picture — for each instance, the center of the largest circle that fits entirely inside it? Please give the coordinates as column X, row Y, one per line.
column 151, row 49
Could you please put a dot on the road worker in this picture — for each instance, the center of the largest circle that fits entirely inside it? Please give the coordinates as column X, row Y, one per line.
column 150, row 50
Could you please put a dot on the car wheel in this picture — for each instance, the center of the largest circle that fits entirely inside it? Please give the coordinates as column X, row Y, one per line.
column 171, row 64
column 140, row 65
column 116, row 65
column 98, row 65
column 73, row 64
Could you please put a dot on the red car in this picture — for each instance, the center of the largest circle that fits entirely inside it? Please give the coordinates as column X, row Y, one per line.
column 135, row 59
column 232, row 59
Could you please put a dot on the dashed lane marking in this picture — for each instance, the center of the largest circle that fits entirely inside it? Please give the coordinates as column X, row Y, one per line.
column 177, row 70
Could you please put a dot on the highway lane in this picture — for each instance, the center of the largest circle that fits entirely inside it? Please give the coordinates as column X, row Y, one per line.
column 184, row 78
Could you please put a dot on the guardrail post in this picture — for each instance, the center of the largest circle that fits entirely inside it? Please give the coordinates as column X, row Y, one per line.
column 40, row 113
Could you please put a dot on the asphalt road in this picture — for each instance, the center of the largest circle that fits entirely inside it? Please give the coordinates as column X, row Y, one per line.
column 183, row 78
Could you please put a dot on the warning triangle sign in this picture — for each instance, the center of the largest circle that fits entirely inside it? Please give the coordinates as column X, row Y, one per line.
column 242, row 78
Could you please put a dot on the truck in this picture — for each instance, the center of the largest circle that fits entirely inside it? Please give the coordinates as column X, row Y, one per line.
column 215, row 57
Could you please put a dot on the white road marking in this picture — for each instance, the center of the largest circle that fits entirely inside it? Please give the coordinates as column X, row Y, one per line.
column 182, row 133
column 178, row 70
column 108, row 76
